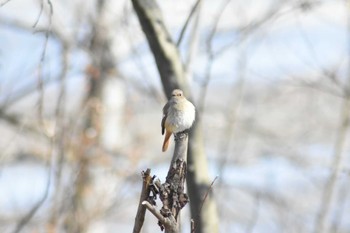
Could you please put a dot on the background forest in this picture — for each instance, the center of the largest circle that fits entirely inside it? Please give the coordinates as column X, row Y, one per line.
column 81, row 103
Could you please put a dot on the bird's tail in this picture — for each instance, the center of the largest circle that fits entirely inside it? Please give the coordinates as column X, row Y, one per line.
column 166, row 141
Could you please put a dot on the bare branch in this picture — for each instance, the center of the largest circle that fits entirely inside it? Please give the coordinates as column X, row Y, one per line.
column 183, row 30
column 211, row 57
column 25, row 220
column 193, row 41
column 208, row 191
column 154, row 211
column 60, row 137
column 4, row 3
column 140, row 216
column 41, row 64
column 321, row 224
column 235, row 101
column 193, row 223
column 169, row 222
column 40, row 13
column 331, row 184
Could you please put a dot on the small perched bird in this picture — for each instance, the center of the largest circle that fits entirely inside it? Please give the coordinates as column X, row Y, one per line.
column 178, row 116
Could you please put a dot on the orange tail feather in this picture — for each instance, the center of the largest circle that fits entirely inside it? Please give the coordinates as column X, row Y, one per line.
column 166, row 141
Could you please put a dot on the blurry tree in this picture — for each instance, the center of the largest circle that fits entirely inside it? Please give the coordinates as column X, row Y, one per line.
column 97, row 132
column 88, row 145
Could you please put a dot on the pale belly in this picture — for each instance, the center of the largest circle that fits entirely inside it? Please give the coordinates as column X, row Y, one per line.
column 178, row 121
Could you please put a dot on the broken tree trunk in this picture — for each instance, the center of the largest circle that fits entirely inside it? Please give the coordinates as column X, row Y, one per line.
column 171, row 193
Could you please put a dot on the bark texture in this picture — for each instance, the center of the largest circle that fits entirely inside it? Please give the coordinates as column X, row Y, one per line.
column 171, row 192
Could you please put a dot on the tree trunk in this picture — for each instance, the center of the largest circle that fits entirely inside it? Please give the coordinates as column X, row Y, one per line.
column 102, row 123
column 172, row 75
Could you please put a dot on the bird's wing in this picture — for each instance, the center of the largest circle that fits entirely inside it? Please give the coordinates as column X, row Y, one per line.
column 165, row 114
column 163, row 122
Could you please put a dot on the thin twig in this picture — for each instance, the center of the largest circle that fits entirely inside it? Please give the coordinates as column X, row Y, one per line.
column 254, row 26
column 193, row 41
column 35, row 208
column 42, row 59
column 207, row 193
column 59, row 136
column 235, row 101
column 183, row 30
column 39, row 15
column 136, row 57
column 25, row 220
column 193, row 229
column 211, row 58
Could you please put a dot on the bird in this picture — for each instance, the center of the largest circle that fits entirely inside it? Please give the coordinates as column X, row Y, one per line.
column 178, row 116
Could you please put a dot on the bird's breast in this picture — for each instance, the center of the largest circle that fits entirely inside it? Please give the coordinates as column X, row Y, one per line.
column 180, row 117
